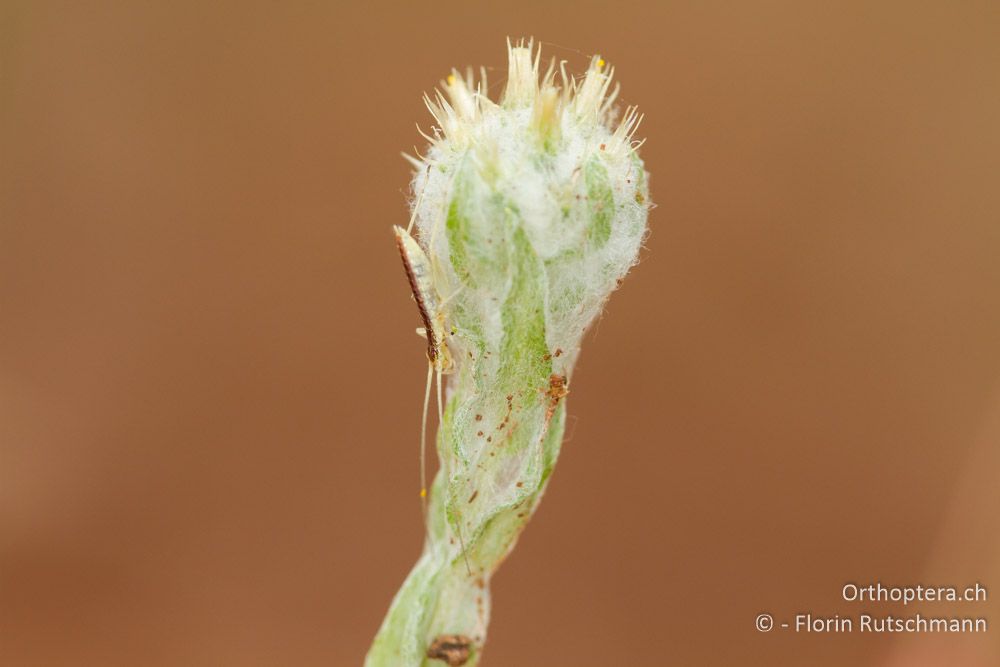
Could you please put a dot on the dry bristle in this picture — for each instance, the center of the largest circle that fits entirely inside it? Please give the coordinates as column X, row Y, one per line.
column 589, row 100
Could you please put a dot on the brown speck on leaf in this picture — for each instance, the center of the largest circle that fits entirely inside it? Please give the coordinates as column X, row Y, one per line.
column 489, row 438
column 473, row 496
column 557, row 391
column 480, row 434
column 520, row 515
column 452, row 649
column 558, row 352
column 510, row 397
column 479, row 418
column 520, row 484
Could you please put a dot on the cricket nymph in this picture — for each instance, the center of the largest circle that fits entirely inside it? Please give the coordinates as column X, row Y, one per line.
column 439, row 362
column 418, row 271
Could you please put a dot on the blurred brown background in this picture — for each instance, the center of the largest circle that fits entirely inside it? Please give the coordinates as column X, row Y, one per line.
column 210, row 388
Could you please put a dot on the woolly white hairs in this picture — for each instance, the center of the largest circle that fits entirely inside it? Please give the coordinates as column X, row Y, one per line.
column 550, row 155
column 530, row 211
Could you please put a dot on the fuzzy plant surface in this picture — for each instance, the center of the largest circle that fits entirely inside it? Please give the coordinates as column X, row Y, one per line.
column 529, row 211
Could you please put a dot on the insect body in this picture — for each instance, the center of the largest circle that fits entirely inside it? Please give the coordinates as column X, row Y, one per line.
column 418, row 271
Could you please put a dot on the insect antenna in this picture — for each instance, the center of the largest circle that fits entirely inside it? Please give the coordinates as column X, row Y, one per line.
column 416, row 207
column 423, row 447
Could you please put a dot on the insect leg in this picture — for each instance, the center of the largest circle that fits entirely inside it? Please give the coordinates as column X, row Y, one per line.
column 461, row 543
column 439, row 401
column 458, row 524
column 451, row 296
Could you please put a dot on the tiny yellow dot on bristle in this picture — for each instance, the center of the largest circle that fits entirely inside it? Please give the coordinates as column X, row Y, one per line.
column 423, row 493
column 451, row 79
column 600, row 63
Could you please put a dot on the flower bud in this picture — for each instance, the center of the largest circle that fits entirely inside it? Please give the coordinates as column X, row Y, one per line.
column 530, row 212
